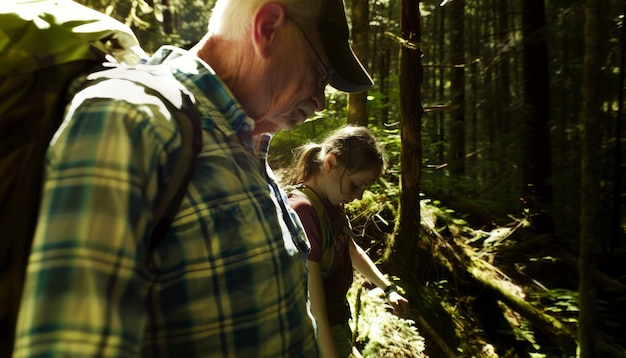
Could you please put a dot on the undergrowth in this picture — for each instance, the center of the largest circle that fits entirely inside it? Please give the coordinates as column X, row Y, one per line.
column 488, row 320
column 377, row 331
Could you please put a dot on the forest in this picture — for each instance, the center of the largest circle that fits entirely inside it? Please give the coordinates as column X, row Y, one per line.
column 501, row 215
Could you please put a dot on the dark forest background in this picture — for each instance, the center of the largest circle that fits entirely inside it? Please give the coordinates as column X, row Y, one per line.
column 502, row 213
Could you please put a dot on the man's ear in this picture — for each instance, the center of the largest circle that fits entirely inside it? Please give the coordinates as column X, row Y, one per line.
column 268, row 19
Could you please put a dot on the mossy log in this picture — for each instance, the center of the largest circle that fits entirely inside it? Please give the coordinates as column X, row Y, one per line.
column 463, row 264
column 548, row 325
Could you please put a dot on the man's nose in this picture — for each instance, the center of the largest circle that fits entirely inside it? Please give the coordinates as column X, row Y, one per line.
column 320, row 100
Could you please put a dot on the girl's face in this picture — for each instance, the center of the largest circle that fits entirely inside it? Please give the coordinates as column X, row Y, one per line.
column 343, row 186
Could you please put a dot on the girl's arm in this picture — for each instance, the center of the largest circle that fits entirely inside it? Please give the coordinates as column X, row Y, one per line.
column 318, row 306
column 365, row 265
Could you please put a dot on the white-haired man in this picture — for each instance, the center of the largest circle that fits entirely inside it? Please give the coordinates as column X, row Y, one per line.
column 229, row 277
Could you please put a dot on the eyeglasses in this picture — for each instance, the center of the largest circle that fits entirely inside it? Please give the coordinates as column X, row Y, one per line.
column 326, row 76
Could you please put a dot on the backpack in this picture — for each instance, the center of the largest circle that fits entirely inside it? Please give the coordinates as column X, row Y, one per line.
column 44, row 46
column 326, row 227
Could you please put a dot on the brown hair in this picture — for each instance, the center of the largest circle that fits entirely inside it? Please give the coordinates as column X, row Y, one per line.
column 355, row 147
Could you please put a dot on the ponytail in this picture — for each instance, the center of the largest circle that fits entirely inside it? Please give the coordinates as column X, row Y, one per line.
column 307, row 163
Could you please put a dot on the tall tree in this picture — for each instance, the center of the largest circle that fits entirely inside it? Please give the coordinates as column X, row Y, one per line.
column 618, row 187
column 440, row 43
column 536, row 152
column 382, row 56
column 504, row 76
column 357, row 102
column 411, row 111
column 457, row 86
column 470, row 102
column 590, row 206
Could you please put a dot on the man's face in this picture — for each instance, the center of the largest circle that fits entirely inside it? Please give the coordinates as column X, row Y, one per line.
column 298, row 80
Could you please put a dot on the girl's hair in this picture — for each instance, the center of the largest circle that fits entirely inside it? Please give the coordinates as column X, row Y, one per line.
column 355, row 147
column 233, row 18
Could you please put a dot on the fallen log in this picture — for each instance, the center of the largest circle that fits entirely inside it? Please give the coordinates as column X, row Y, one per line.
column 548, row 325
column 470, row 267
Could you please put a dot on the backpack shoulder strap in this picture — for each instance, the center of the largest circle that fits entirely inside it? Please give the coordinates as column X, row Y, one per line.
column 188, row 120
column 181, row 104
column 328, row 250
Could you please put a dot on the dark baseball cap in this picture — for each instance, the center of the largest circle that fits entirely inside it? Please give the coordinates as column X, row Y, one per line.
column 349, row 75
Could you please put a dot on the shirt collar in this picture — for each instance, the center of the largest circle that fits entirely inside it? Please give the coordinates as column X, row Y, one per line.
column 210, row 92
column 263, row 145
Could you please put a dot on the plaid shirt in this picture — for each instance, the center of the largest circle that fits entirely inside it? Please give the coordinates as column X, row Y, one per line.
column 228, row 280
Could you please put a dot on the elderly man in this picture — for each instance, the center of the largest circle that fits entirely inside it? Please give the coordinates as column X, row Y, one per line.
column 229, row 278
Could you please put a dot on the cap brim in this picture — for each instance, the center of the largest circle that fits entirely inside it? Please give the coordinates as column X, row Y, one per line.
column 349, row 75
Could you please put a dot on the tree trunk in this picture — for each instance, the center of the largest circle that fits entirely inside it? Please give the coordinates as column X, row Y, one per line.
column 411, row 111
column 168, row 21
column 537, row 153
column 441, row 88
column 383, row 48
column 357, row 102
column 504, row 117
column 457, row 87
column 618, row 187
column 590, row 206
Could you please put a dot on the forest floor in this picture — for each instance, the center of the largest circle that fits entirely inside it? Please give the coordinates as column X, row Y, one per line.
column 491, row 290
column 487, row 287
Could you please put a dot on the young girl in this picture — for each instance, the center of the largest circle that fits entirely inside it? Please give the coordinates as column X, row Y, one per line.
column 337, row 171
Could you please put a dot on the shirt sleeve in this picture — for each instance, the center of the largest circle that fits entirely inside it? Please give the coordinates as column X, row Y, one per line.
column 86, row 280
column 311, row 224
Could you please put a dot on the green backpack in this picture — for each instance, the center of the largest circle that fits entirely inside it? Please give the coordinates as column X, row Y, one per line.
column 44, row 46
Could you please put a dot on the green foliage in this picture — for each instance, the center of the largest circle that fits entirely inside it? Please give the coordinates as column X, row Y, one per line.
column 437, row 217
column 182, row 24
column 283, row 144
column 373, row 204
column 377, row 331
column 313, row 130
column 373, row 217
column 389, row 137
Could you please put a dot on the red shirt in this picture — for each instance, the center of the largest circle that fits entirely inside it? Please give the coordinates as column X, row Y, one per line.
column 340, row 276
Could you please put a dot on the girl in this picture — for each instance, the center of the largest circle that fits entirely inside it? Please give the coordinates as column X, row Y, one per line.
column 329, row 175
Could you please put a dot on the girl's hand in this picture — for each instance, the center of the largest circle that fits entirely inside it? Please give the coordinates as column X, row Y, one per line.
column 400, row 304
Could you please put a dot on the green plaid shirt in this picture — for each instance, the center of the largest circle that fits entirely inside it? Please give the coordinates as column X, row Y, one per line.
column 230, row 277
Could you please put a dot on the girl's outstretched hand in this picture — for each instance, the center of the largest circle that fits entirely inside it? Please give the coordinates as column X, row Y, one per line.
column 400, row 304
